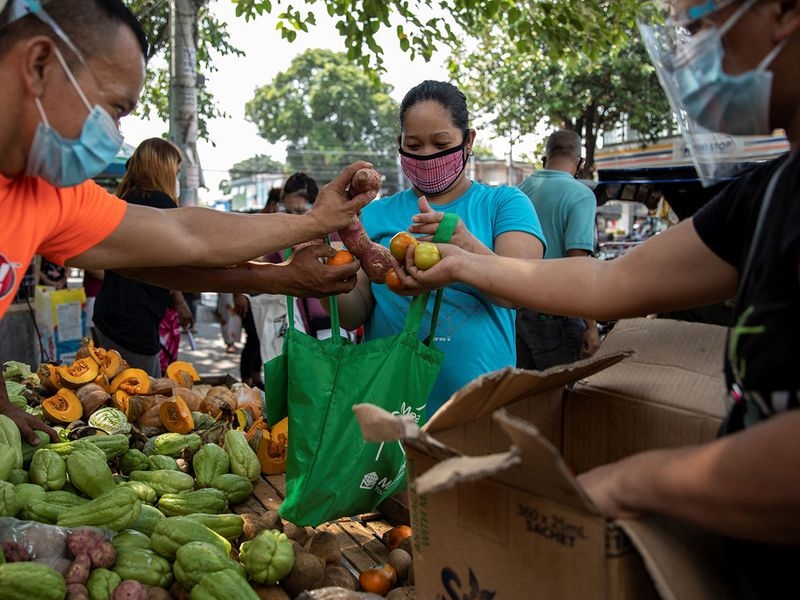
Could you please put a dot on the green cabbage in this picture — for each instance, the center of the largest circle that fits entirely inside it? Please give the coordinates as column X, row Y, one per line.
column 111, row 420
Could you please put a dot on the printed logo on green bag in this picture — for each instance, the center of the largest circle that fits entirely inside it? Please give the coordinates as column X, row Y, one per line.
column 373, row 481
column 417, row 412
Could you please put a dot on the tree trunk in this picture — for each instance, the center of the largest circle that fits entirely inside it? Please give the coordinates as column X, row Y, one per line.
column 183, row 95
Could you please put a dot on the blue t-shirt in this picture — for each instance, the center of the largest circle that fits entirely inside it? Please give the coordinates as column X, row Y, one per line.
column 566, row 208
column 475, row 335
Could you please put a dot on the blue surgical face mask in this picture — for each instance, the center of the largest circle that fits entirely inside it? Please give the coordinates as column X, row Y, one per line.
column 67, row 162
column 732, row 104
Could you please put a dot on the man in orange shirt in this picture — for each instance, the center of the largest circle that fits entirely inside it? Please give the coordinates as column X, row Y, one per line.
column 65, row 87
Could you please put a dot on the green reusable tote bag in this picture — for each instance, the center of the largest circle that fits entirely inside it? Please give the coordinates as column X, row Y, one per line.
column 331, row 471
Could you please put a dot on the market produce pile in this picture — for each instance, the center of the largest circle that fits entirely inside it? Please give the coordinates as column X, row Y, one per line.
column 136, row 500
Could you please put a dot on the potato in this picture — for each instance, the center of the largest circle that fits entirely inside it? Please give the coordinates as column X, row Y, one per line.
column 83, row 540
column 402, row 593
column 307, row 573
column 401, row 561
column 78, row 571
column 253, row 524
column 297, row 533
column 270, row 592
column 325, row 545
column 15, row 552
column 339, row 576
column 156, row 593
column 129, row 590
column 103, row 555
column 77, row 591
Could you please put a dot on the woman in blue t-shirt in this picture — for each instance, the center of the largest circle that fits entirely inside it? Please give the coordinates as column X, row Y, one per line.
column 475, row 331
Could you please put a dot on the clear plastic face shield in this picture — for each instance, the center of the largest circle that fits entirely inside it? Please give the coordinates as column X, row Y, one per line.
column 715, row 112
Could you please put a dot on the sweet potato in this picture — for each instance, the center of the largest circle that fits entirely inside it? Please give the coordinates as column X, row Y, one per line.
column 373, row 257
column 77, row 591
column 129, row 590
column 78, row 571
column 103, row 555
column 83, row 540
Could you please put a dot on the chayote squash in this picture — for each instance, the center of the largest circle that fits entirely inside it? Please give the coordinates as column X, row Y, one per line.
column 9, row 502
column 29, row 492
column 130, row 538
column 235, row 487
column 147, row 519
column 195, row 559
column 29, row 580
column 268, row 557
column 164, row 481
column 68, row 447
column 144, row 566
column 48, row 469
column 145, row 492
column 64, row 498
column 133, row 460
column 209, row 462
column 18, row 476
column 244, row 460
column 89, row 473
column 223, row 585
column 173, row 532
column 172, row 444
column 113, row 445
column 28, row 449
column 9, row 436
column 204, row 500
column 102, row 582
column 8, row 460
column 115, row 510
column 42, row 511
column 229, row 526
column 157, row 462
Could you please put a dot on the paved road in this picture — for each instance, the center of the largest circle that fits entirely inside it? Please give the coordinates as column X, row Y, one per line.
column 210, row 357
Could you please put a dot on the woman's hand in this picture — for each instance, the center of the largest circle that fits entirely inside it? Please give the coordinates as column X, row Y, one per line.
column 416, row 281
column 426, row 222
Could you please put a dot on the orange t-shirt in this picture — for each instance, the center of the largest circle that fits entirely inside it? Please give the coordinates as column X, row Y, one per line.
column 58, row 223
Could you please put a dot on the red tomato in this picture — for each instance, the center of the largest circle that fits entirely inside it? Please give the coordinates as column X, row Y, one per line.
column 342, row 257
column 393, row 281
column 399, row 244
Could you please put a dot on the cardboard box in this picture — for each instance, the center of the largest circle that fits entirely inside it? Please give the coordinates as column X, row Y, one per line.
column 495, row 509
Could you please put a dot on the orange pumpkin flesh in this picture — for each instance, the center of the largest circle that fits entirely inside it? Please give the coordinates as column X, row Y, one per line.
column 81, row 371
column 176, row 416
column 132, row 381
column 120, row 400
column 64, row 407
column 182, row 373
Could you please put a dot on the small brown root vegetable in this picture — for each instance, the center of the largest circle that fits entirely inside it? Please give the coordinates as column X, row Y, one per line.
column 297, row 533
column 156, row 593
column 307, row 573
column 339, row 576
column 270, row 592
column 325, row 545
column 15, row 552
column 77, row 591
column 78, row 571
column 253, row 524
column 401, row 561
column 374, row 258
column 103, row 555
column 83, row 540
column 129, row 590
column 402, row 593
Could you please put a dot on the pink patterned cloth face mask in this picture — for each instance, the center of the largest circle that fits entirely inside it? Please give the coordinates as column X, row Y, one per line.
column 434, row 173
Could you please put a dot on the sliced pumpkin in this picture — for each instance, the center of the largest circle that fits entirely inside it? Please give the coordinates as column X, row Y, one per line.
column 182, row 373
column 271, row 445
column 80, row 372
column 63, row 407
column 133, row 381
column 110, row 361
column 120, row 399
column 49, row 377
column 176, row 416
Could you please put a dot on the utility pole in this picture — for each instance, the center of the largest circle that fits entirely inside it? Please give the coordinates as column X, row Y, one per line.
column 183, row 95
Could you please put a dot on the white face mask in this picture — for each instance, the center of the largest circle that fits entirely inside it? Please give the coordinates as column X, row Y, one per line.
column 732, row 104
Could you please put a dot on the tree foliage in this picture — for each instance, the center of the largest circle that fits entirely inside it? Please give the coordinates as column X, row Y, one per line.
column 212, row 39
column 260, row 163
column 330, row 112
column 564, row 27
column 586, row 93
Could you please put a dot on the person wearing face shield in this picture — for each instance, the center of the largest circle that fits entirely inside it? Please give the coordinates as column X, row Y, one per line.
column 69, row 71
column 475, row 330
column 729, row 67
